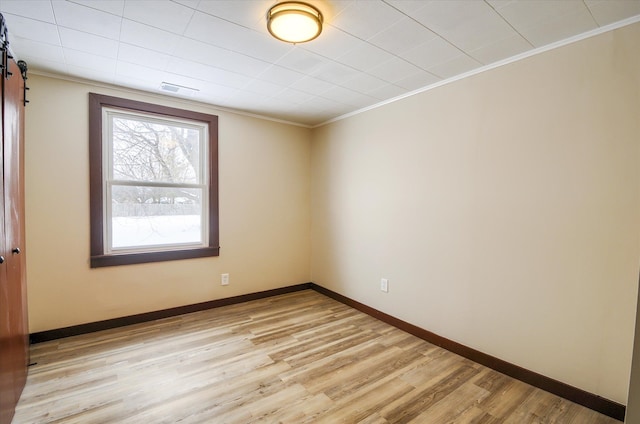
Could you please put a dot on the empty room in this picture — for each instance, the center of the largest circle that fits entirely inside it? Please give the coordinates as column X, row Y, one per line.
column 331, row 211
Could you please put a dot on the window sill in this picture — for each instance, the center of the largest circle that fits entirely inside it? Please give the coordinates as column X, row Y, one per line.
column 147, row 257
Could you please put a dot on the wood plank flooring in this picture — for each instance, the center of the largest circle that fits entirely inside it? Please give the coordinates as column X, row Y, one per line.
column 295, row 358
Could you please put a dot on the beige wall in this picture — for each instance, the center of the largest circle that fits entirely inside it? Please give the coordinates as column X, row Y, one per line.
column 264, row 215
column 633, row 403
column 503, row 208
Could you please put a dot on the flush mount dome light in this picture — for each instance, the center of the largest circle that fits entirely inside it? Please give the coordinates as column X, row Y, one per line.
column 294, row 22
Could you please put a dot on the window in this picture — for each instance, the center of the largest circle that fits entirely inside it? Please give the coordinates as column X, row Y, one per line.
column 153, row 182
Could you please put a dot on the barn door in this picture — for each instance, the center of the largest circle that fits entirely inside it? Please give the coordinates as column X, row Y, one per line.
column 14, row 344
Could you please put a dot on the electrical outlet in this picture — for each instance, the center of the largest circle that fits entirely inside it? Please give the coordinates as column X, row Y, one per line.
column 384, row 285
column 224, row 279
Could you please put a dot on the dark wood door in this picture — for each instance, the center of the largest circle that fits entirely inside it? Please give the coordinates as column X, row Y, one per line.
column 6, row 373
column 14, row 334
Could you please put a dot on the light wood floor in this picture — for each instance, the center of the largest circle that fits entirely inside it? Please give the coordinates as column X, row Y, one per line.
column 295, row 358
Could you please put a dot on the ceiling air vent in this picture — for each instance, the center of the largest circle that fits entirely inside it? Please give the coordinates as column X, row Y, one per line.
column 178, row 89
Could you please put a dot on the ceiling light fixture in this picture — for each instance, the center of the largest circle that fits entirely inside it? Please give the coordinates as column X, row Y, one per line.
column 294, row 22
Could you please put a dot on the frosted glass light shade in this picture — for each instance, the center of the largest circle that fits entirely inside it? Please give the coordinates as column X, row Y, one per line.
column 294, row 22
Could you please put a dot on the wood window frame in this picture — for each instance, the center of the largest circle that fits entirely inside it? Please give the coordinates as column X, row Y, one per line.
column 96, row 182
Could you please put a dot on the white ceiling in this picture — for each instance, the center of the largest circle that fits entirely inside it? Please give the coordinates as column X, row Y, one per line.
column 369, row 51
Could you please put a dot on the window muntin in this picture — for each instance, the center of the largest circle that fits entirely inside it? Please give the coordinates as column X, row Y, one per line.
column 153, row 182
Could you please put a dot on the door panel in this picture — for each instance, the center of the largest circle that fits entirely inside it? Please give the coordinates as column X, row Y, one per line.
column 14, row 222
column 15, row 353
column 7, row 394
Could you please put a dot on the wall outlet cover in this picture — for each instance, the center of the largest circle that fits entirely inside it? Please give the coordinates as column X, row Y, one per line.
column 384, row 285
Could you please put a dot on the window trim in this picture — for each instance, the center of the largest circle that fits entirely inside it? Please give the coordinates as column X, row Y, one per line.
column 96, row 187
